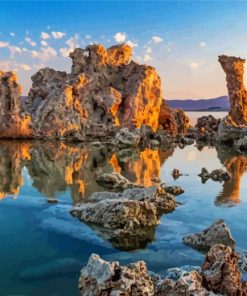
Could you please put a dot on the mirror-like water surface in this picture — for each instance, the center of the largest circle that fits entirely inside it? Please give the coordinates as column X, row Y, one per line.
column 43, row 247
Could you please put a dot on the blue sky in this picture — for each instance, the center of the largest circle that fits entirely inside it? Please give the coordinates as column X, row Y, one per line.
column 181, row 39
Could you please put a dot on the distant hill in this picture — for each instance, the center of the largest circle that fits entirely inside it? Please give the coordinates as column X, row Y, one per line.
column 216, row 104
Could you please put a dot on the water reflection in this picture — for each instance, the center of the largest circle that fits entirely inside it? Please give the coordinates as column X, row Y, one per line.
column 236, row 165
column 56, row 167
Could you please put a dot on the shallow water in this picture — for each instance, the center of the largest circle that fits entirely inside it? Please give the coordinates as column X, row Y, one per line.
column 43, row 248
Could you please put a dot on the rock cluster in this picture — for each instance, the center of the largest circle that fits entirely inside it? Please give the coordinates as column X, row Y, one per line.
column 100, row 277
column 217, row 233
column 104, row 91
column 127, row 219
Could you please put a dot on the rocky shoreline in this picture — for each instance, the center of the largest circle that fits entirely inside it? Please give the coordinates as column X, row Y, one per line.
column 219, row 274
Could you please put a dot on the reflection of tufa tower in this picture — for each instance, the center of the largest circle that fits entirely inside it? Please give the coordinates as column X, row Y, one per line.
column 234, row 69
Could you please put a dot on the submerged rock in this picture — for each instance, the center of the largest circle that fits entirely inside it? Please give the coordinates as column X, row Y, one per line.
column 54, row 268
column 217, row 233
column 220, row 272
column 114, row 181
column 100, row 277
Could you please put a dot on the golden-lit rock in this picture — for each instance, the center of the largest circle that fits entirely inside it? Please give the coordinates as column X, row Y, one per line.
column 234, row 69
column 13, row 123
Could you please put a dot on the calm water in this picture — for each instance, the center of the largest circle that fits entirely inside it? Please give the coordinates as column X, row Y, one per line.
column 43, row 248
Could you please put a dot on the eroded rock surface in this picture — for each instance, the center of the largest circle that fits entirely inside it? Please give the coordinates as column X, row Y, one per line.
column 234, row 69
column 127, row 219
column 220, row 272
column 100, row 277
column 13, row 123
column 217, row 233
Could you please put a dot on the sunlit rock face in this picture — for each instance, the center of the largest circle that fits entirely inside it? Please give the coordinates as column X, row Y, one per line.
column 104, row 90
column 13, row 123
column 174, row 121
column 234, row 69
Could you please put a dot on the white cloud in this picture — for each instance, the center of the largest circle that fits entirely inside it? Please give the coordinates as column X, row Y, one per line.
column 44, row 43
column 88, row 36
column 148, row 49
column 58, row 35
column 4, row 44
column 147, row 58
column 131, row 44
column 24, row 67
column 45, row 35
column 44, row 54
column 157, row 39
column 202, row 44
column 30, row 41
column 12, row 34
column 71, row 43
column 120, row 37
column 194, row 65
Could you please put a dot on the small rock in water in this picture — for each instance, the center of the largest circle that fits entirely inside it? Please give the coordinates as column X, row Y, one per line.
column 176, row 173
column 217, row 233
column 52, row 201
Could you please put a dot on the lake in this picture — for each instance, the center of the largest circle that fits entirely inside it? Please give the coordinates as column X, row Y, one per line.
column 43, row 247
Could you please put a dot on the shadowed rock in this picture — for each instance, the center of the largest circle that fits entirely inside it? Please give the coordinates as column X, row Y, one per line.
column 217, row 233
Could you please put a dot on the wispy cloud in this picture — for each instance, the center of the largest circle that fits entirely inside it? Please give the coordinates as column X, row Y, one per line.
column 132, row 44
column 30, row 41
column 72, row 43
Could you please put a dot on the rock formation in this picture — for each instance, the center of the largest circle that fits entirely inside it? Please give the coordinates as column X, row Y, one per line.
column 127, row 219
column 217, row 233
column 105, row 90
column 220, row 272
column 13, row 123
column 234, row 69
column 100, row 277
